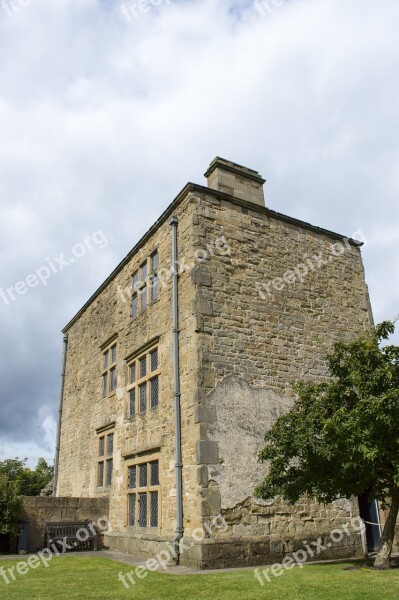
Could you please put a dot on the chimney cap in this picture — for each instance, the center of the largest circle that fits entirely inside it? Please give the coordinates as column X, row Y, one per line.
column 232, row 167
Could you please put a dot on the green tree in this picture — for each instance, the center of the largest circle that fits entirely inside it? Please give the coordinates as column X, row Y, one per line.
column 16, row 480
column 10, row 504
column 341, row 437
column 38, row 478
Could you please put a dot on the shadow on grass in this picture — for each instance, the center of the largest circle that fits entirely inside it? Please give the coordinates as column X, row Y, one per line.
column 358, row 564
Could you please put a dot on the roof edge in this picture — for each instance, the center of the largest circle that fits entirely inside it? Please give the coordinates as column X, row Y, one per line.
column 272, row 213
column 189, row 187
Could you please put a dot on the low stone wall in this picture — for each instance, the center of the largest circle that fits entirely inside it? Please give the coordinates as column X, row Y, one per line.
column 37, row 511
column 238, row 552
column 147, row 546
column 247, row 552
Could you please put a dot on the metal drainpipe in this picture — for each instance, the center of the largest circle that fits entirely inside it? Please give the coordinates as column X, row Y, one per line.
column 176, row 368
column 57, row 449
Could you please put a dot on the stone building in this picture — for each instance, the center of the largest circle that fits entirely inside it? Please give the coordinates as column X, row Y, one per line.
column 257, row 292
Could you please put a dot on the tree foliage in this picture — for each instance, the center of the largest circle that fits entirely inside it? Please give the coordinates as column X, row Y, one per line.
column 341, row 437
column 10, row 504
column 16, row 480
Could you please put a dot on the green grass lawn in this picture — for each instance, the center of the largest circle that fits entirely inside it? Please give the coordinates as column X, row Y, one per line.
column 87, row 578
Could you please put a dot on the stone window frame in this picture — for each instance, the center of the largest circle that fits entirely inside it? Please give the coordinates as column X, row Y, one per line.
column 154, row 277
column 138, row 490
column 109, row 375
column 135, row 386
column 145, row 284
column 105, row 458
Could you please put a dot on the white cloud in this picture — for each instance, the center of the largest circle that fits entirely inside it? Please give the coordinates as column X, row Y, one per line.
column 30, row 449
column 101, row 117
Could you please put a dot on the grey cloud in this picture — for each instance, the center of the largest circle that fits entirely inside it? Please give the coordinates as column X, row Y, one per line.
column 103, row 122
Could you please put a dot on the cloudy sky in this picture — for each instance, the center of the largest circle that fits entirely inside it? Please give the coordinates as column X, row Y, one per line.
column 107, row 110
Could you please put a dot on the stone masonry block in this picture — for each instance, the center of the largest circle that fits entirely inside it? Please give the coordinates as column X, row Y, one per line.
column 202, row 476
column 201, row 277
column 203, row 307
column 211, row 498
column 207, row 453
column 205, row 414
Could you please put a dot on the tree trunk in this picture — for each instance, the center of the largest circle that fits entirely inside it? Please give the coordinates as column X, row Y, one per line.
column 384, row 553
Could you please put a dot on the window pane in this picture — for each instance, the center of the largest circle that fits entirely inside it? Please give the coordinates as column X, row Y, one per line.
column 143, row 366
column 106, row 360
column 143, row 294
column 143, row 269
column 154, row 509
column 132, row 373
column 132, row 510
column 154, row 288
column 132, row 477
column 134, row 305
column 154, row 472
column 101, row 446
column 135, row 280
column 110, row 444
column 105, row 384
column 154, row 262
column 143, row 475
column 113, row 354
column 132, row 402
column 100, row 481
column 154, row 360
column 112, row 385
column 143, row 398
column 143, row 510
column 109, row 471
column 154, row 392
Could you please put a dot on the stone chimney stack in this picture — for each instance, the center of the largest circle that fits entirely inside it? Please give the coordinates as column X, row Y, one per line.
column 240, row 182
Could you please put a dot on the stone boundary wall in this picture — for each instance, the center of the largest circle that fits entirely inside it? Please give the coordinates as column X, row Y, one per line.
column 39, row 510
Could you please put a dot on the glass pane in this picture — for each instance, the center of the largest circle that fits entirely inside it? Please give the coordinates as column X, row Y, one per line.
column 143, row 366
column 109, row 471
column 112, row 385
column 132, row 477
column 143, row 298
column 113, row 354
column 134, row 306
column 143, row 398
column 132, row 510
column 154, row 509
column 106, row 360
column 132, row 373
column 154, row 262
column 154, row 360
column 143, row 510
column 135, row 280
column 155, row 473
column 100, row 482
column 143, row 269
column 154, row 288
column 101, row 446
column 110, row 444
column 154, row 392
column 105, row 384
column 143, row 475
column 132, row 402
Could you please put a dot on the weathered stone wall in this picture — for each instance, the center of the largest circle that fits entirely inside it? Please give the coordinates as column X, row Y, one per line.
column 85, row 410
column 254, row 346
column 239, row 355
column 260, row 534
column 39, row 510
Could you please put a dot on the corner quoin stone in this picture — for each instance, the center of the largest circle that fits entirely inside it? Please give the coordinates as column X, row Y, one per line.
column 207, row 453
